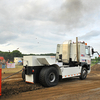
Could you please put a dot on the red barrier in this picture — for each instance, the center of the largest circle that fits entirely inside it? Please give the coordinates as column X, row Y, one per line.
column 0, row 80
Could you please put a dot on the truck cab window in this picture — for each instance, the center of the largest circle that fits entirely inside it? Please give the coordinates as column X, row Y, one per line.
column 87, row 50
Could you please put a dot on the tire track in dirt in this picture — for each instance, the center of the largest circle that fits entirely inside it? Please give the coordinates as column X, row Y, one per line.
column 75, row 90
column 64, row 89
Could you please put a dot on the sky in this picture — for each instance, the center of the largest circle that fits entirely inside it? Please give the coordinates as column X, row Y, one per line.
column 37, row 26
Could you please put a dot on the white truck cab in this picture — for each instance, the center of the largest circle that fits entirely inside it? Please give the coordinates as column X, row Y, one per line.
column 71, row 60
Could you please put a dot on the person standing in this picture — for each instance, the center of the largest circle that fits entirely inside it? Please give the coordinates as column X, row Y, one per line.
column 3, row 63
column 8, row 61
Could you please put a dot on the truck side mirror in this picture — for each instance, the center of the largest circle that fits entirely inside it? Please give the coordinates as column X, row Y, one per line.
column 93, row 51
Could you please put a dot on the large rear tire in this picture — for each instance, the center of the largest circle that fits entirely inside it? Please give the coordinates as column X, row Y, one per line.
column 83, row 73
column 49, row 76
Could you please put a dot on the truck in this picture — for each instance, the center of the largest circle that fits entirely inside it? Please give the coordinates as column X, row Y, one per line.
column 73, row 59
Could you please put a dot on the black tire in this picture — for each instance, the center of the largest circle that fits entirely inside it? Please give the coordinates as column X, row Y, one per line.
column 23, row 75
column 83, row 73
column 49, row 76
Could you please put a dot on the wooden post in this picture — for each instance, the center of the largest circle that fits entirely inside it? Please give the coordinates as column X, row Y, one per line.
column 0, row 80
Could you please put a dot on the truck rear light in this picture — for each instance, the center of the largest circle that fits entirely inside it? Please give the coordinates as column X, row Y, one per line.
column 33, row 70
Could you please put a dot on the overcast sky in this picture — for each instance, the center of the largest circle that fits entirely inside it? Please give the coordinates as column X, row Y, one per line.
column 37, row 26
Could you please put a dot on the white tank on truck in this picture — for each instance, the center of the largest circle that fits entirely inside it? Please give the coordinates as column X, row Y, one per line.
column 73, row 59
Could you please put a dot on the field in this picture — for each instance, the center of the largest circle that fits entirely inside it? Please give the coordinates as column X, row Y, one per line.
column 14, row 88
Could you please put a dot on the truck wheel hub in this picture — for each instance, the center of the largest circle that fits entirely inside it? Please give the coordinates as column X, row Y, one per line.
column 52, row 77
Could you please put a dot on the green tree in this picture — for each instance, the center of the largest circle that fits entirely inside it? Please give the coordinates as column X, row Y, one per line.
column 15, row 53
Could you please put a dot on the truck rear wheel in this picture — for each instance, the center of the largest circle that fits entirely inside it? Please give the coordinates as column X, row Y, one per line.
column 49, row 76
column 83, row 73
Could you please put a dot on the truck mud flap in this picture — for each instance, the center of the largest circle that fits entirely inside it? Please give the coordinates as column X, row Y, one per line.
column 33, row 70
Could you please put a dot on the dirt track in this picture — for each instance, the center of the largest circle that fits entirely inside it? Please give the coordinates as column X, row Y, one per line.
column 67, row 89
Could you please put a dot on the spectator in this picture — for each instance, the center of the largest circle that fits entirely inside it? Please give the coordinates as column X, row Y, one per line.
column 8, row 61
column 3, row 63
column 11, row 62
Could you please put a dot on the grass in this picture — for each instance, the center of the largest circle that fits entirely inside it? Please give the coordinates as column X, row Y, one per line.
column 92, row 65
column 12, row 70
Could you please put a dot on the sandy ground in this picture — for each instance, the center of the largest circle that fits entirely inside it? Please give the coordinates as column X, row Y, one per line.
column 14, row 88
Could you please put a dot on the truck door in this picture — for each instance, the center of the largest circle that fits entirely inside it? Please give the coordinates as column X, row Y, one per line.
column 87, row 55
